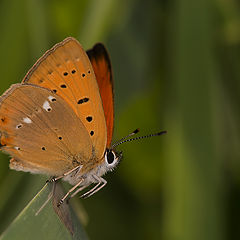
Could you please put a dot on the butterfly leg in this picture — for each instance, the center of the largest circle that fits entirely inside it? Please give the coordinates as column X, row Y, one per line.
column 96, row 188
column 78, row 190
column 50, row 195
column 71, row 190
column 54, row 179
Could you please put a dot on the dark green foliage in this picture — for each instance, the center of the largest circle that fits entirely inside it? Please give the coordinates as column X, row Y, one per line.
column 176, row 67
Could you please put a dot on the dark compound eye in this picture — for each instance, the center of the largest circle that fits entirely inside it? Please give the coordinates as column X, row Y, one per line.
column 110, row 157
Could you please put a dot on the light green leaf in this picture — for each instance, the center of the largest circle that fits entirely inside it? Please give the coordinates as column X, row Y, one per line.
column 46, row 224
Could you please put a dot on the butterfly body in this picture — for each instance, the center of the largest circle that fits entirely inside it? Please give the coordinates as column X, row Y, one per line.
column 59, row 120
column 87, row 173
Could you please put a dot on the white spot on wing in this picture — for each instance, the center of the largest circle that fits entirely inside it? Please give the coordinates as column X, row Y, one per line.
column 27, row 120
column 51, row 98
column 47, row 106
column 17, row 148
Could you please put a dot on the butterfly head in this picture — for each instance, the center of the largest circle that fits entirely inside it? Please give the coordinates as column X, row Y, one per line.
column 113, row 157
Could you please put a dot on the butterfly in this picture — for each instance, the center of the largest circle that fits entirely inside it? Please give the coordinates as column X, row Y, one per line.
column 59, row 120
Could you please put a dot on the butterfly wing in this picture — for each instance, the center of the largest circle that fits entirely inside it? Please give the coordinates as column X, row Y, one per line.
column 103, row 71
column 41, row 131
column 66, row 70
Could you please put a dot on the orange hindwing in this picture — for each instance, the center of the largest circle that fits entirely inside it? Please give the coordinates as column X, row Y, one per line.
column 102, row 68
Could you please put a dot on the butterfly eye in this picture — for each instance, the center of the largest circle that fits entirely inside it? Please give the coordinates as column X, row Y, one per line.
column 110, row 158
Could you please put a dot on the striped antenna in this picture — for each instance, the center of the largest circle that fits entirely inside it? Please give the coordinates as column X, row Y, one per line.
column 123, row 140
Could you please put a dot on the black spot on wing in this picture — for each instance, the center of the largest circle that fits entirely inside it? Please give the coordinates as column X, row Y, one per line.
column 83, row 100
column 89, row 118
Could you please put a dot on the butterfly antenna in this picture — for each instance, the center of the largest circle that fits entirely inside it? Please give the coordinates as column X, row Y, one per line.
column 123, row 140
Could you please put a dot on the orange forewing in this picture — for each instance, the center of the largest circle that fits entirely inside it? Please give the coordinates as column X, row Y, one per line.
column 102, row 68
column 66, row 70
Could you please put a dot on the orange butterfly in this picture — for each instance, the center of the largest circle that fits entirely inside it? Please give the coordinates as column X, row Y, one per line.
column 59, row 120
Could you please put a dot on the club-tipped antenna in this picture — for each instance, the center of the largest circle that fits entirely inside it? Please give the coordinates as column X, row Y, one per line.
column 123, row 140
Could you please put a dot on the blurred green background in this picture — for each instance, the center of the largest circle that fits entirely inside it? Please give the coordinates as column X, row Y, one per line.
column 176, row 67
